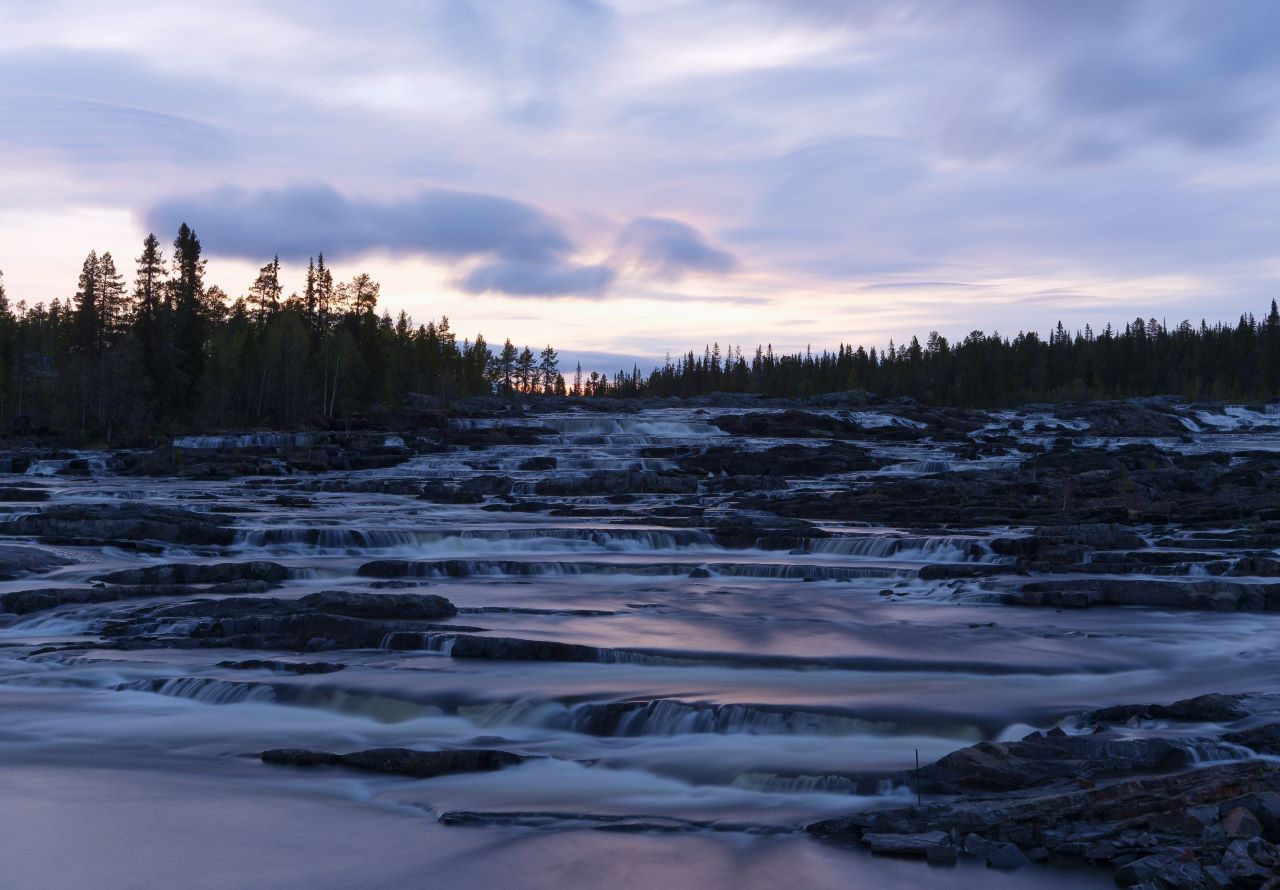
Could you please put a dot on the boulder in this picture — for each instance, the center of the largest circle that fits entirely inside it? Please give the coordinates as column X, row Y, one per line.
column 910, row 845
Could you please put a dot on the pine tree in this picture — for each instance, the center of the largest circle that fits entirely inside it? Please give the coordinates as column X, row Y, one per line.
column 189, row 320
column 506, row 365
column 525, row 370
column 364, row 293
column 88, row 308
column 113, row 301
column 549, row 368
column 264, row 294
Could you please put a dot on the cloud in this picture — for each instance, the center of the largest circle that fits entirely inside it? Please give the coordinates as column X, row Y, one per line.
column 535, row 280
column 667, row 250
column 519, row 249
column 300, row 221
column 95, row 133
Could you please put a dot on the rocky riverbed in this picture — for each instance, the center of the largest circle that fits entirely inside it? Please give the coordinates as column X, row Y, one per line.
column 600, row 641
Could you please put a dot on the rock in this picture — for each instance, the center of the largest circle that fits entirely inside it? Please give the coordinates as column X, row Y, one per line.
column 200, row 573
column 786, row 461
column 289, row 667
column 910, row 845
column 21, row 559
column 1172, row 593
column 1106, row 821
column 1211, row 708
column 1241, row 867
column 379, row 605
column 1142, row 870
column 1240, row 823
column 1216, row 877
column 23, row 602
column 1039, row 759
column 105, row 523
column 299, row 757
column 1181, row 875
column 400, row 761
column 22, row 494
column 540, row 463
column 1006, row 856
column 787, row 424
column 1264, row 739
column 1002, row 855
column 328, row 620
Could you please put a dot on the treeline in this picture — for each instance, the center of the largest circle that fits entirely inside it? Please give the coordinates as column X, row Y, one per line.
column 1209, row 362
column 170, row 351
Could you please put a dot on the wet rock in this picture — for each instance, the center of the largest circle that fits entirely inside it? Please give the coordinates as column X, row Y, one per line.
column 1211, row 708
column 288, row 667
column 1002, row 855
column 1264, row 739
column 609, row 482
column 319, row 622
column 789, row 424
column 22, row 494
column 784, row 461
column 200, row 573
column 24, row 602
column 1124, row 823
column 400, row 761
column 539, row 463
column 468, row 491
column 18, row 559
column 1174, row 593
column 1042, row 759
column 105, row 523
column 910, row 845
column 378, row 605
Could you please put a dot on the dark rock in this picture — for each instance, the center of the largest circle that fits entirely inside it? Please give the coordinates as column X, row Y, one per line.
column 910, row 845
column 1211, row 708
column 400, row 761
column 103, row 523
column 1264, row 739
column 782, row 461
column 997, row 854
column 21, row 559
column 379, row 605
column 1240, row 823
column 540, row 463
column 788, row 424
column 200, row 573
column 24, row 602
column 328, row 620
column 22, row 494
column 289, row 667
column 1042, row 759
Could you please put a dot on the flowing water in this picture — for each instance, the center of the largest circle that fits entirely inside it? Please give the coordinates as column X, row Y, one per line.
column 744, row 687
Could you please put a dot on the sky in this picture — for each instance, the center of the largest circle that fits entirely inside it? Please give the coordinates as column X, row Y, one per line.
column 633, row 178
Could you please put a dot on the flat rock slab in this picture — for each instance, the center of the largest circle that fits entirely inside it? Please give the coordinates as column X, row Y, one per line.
column 400, row 761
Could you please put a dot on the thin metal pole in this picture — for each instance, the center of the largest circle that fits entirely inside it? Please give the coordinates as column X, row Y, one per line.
column 918, row 804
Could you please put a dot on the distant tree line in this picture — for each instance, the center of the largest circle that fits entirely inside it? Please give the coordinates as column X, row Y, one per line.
column 171, row 351
column 1148, row 357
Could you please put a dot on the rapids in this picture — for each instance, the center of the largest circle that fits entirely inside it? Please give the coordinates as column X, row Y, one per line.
column 751, row 684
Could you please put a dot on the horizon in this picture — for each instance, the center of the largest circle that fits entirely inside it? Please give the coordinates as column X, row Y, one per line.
column 600, row 177
column 607, row 363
